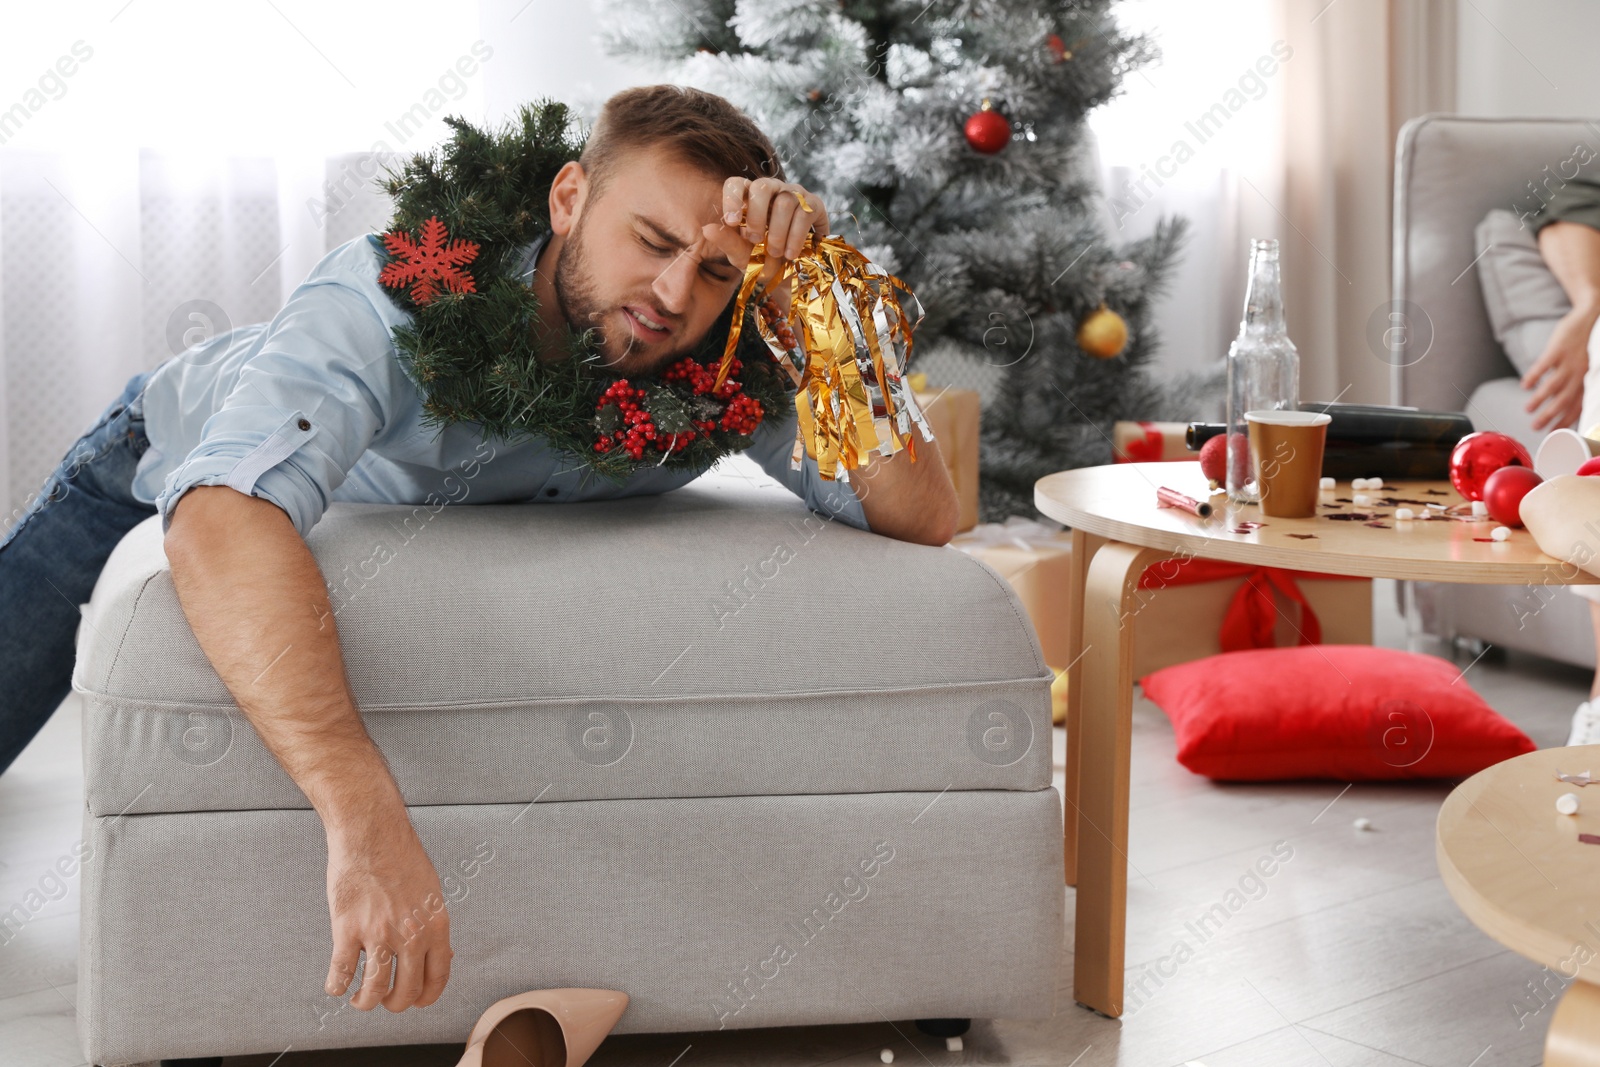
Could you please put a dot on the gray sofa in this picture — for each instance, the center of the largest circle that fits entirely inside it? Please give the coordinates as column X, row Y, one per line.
column 750, row 766
column 1449, row 171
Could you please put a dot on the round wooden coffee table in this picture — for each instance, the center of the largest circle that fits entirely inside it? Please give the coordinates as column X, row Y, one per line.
column 1518, row 870
column 1117, row 532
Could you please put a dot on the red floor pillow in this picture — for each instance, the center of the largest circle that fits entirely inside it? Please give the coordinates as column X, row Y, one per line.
column 1347, row 712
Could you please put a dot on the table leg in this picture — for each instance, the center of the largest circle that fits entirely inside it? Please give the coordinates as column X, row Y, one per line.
column 1110, row 601
column 1574, row 1036
column 1084, row 546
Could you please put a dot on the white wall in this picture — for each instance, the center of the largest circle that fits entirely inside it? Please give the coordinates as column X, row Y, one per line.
column 548, row 48
column 1527, row 58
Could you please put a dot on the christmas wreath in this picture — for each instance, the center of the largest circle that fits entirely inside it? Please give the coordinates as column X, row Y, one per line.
column 463, row 215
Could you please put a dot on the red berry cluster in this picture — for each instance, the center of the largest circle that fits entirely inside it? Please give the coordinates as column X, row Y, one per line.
column 637, row 426
column 742, row 413
column 778, row 324
column 701, row 376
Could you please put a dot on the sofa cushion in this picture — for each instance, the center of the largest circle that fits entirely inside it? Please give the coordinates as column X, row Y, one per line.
column 721, row 639
column 1501, row 405
column 1524, row 300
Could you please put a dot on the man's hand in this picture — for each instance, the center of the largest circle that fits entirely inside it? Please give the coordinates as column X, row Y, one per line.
column 1559, row 372
column 766, row 210
column 385, row 899
column 1572, row 252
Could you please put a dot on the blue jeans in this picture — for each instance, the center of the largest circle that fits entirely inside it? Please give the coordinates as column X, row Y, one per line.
column 51, row 557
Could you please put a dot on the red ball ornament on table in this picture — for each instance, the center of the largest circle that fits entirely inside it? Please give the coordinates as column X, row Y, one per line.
column 1503, row 492
column 1213, row 460
column 1479, row 455
column 988, row 131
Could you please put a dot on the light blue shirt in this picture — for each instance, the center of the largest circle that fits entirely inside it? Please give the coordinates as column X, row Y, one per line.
column 314, row 407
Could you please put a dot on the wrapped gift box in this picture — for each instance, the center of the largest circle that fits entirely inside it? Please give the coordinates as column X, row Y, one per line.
column 952, row 415
column 1149, row 442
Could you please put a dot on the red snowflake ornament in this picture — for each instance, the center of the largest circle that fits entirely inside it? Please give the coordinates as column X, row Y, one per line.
column 437, row 259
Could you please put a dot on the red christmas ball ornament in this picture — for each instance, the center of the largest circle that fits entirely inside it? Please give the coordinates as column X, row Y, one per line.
column 1058, row 47
column 1213, row 463
column 1479, row 455
column 988, row 131
column 1590, row 466
column 1503, row 492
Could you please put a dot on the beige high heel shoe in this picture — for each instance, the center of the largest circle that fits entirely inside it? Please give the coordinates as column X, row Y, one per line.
column 544, row 1028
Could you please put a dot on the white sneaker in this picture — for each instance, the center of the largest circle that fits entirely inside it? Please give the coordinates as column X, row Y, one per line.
column 1586, row 724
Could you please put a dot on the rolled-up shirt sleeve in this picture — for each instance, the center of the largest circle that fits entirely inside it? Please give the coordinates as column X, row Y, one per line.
column 1577, row 200
column 304, row 408
column 771, row 446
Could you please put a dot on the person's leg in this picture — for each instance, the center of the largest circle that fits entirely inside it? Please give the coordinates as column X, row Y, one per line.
column 1594, row 616
column 50, row 559
column 1586, row 720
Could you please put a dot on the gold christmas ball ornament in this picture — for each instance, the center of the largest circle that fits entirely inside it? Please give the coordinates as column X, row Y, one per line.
column 1103, row 333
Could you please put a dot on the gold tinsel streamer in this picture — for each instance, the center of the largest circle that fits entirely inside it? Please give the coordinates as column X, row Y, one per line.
column 846, row 342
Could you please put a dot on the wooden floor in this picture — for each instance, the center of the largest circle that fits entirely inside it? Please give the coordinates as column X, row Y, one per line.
column 1350, row 954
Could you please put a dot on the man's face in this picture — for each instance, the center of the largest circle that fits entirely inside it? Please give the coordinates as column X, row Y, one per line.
column 637, row 252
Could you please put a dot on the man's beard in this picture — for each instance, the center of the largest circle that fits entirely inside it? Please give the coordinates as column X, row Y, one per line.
column 574, row 286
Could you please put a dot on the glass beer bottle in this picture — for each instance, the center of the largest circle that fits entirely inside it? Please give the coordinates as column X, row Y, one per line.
column 1263, row 366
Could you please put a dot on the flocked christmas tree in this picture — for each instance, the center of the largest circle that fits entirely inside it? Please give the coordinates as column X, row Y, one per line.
column 949, row 141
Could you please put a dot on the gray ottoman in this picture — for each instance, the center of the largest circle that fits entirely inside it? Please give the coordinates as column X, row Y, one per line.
column 751, row 766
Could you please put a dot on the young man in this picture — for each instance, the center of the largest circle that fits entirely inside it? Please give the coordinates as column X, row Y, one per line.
column 241, row 442
column 1565, row 380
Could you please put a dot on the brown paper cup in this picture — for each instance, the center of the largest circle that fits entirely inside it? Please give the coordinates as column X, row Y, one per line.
column 1286, row 454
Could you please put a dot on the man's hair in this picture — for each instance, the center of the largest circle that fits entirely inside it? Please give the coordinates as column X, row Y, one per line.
column 702, row 128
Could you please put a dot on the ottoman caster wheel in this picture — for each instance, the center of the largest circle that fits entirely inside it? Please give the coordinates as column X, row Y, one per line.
column 944, row 1027
column 198, row 1061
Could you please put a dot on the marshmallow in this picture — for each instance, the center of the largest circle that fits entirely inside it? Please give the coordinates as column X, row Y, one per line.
column 887, row 1056
column 1374, row 483
column 1479, row 509
column 1567, row 803
column 1500, row 533
column 1327, row 483
column 952, row 1044
column 1406, row 513
column 1362, row 498
column 1363, row 824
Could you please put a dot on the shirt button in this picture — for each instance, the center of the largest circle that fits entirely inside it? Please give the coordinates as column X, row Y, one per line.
column 303, row 424
column 551, row 492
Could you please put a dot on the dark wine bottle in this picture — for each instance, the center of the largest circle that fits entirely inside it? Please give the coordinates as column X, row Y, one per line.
column 1374, row 441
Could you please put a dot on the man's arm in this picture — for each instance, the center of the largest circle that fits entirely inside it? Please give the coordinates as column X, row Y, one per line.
column 322, row 388
column 906, row 500
column 1569, row 243
column 257, row 604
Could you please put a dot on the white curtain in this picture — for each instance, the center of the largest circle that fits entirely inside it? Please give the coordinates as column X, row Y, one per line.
column 171, row 169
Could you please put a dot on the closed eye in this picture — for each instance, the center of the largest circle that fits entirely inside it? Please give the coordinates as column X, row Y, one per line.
column 719, row 273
